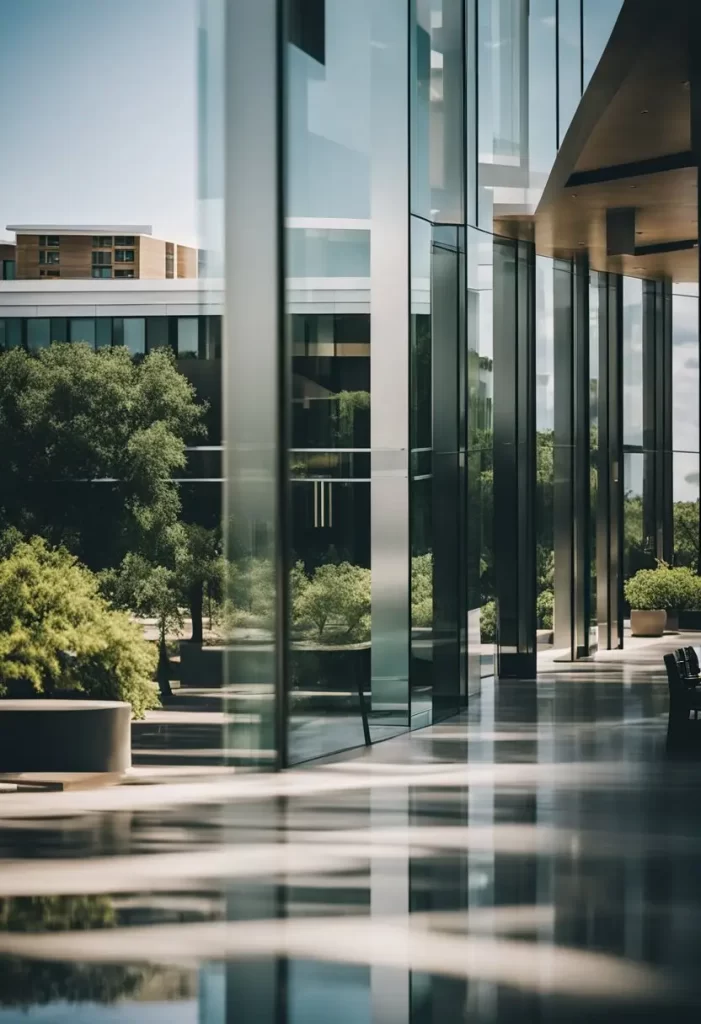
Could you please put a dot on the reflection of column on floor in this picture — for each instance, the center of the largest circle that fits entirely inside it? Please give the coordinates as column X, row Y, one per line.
column 389, row 897
column 481, row 995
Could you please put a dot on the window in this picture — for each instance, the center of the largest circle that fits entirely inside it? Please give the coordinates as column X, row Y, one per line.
column 188, row 335
column 102, row 272
column 134, row 334
column 49, row 273
column 38, row 333
column 10, row 333
column 102, row 241
column 124, row 239
column 157, row 332
column 102, row 259
column 83, row 329
column 124, row 273
column 123, row 255
column 48, row 241
column 103, row 332
column 8, row 270
column 59, row 328
column 49, row 257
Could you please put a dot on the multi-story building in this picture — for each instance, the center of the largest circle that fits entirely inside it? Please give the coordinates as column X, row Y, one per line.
column 74, row 252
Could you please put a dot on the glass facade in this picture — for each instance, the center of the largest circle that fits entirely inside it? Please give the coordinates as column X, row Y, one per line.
column 456, row 433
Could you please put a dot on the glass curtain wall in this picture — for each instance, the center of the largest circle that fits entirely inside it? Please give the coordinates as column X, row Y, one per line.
column 360, row 503
column 639, row 543
column 685, row 426
column 545, row 442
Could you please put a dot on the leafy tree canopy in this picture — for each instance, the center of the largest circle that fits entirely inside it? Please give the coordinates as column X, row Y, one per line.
column 72, row 419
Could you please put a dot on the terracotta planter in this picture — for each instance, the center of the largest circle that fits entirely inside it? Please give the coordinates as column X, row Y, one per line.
column 647, row 623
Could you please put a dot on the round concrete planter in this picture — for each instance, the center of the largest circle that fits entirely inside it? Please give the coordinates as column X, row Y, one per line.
column 64, row 736
column 647, row 623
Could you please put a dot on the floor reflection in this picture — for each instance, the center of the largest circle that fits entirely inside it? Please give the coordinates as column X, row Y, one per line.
column 535, row 860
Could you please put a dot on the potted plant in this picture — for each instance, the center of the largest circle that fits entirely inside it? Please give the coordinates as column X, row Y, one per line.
column 682, row 589
column 653, row 593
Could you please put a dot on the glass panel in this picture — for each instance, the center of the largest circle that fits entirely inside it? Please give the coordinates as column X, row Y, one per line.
column 13, row 332
column 135, row 335
column 188, row 337
column 347, row 138
column 83, row 330
column 570, row 57
column 103, row 332
column 436, row 106
column 59, row 329
column 502, row 106
column 545, row 426
column 593, row 445
column 157, row 332
column 123, row 255
column 638, row 546
column 328, row 252
column 599, row 18
column 9, row 270
column 38, row 333
column 686, row 509
column 685, row 373
column 632, row 362
column 542, row 94
column 481, row 609
column 421, row 499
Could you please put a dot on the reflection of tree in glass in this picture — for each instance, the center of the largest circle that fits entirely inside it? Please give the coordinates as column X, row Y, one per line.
column 686, row 533
column 337, row 597
column 348, row 404
column 25, row 983
column 422, row 590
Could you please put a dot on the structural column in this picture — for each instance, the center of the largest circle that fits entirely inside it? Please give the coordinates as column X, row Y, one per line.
column 609, row 531
column 657, row 417
column 514, row 457
column 255, row 364
column 571, row 503
column 389, row 365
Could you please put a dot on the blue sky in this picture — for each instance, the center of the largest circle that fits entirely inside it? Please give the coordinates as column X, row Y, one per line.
column 98, row 113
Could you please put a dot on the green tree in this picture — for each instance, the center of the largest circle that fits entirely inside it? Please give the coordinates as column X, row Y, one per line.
column 422, row 590
column 200, row 570
column 150, row 590
column 686, row 533
column 58, row 633
column 91, row 441
column 337, row 595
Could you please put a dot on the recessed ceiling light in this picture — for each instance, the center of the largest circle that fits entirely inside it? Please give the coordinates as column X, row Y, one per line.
column 646, row 111
column 633, row 186
column 573, row 195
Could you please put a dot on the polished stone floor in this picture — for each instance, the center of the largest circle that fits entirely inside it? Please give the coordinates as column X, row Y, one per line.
column 536, row 860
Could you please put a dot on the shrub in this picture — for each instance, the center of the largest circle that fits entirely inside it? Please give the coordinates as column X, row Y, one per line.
column 670, row 589
column 544, row 609
column 336, row 595
column 488, row 623
column 422, row 590
column 57, row 633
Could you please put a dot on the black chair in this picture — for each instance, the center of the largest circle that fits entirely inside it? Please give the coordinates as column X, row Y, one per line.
column 691, row 659
column 683, row 694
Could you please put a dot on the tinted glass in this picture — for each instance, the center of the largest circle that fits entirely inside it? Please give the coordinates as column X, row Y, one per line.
column 38, row 333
